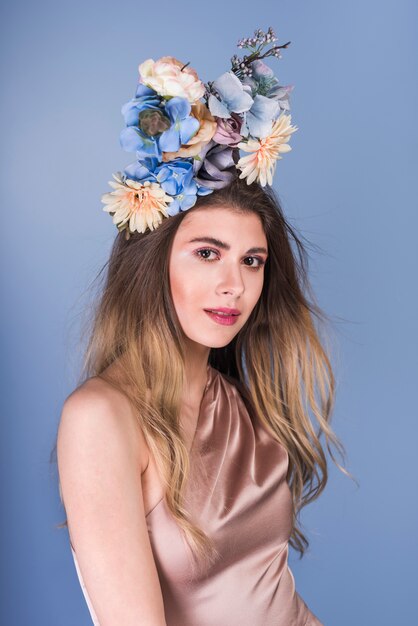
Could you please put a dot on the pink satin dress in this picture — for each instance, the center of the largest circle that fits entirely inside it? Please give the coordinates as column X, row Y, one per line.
column 239, row 496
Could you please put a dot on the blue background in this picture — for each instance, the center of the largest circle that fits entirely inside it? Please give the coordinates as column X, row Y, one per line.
column 349, row 185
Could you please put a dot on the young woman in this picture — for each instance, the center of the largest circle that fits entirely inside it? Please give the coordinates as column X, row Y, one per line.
column 188, row 451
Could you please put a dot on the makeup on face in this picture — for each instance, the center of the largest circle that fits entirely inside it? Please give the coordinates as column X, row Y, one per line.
column 217, row 273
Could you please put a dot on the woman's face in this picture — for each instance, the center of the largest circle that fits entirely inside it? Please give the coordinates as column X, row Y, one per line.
column 216, row 262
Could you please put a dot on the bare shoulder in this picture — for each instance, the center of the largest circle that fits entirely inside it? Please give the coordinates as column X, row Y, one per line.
column 99, row 466
column 99, row 412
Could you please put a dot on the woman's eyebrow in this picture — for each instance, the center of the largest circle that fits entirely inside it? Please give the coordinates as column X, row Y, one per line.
column 225, row 246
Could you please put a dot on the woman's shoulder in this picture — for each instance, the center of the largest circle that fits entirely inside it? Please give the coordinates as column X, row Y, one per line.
column 98, row 405
column 96, row 389
column 97, row 396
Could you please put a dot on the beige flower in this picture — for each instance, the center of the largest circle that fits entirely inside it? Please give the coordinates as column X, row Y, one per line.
column 167, row 78
column 205, row 133
column 137, row 205
column 260, row 165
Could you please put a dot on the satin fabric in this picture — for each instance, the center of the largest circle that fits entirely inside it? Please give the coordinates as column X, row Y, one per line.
column 239, row 496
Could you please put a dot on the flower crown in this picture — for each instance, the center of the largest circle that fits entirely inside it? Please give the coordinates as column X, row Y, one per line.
column 186, row 147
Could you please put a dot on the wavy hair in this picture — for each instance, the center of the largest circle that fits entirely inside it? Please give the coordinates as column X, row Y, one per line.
column 278, row 359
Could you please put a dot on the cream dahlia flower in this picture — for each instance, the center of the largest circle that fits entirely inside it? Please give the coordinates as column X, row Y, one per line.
column 260, row 165
column 167, row 78
column 137, row 205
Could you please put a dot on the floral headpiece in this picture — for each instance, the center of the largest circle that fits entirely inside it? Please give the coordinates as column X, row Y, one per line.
column 186, row 147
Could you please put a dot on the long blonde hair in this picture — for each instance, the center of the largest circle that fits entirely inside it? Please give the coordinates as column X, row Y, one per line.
column 277, row 359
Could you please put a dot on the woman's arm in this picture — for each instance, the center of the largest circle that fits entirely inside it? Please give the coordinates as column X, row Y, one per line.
column 100, row 456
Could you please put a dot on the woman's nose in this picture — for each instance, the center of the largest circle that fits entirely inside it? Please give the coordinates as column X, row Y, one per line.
column 231, row 279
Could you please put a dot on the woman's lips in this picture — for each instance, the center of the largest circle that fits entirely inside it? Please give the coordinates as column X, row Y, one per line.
column 225, row 320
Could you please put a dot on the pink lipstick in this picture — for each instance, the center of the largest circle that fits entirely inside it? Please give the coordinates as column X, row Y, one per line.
column 223, row 316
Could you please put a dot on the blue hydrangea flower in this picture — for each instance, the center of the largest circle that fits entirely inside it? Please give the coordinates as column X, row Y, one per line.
column 234, row 96
column 264, row 82
column 145, row 98
column 202, row 190
column 133, row 138
column 182, row 201
column 183, row 125
column 176, row 178
column 155, row 125
column 258, row 121
column 142, row 170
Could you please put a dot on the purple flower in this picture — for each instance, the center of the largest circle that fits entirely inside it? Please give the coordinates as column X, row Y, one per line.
column 228, row 130
column 216, row 167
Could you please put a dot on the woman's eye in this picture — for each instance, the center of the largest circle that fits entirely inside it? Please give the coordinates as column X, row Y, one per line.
column 259, row 262
column 204, row 255
column 202, row 252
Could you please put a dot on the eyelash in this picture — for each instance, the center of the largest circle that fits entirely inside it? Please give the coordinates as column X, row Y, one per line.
column 261, row 261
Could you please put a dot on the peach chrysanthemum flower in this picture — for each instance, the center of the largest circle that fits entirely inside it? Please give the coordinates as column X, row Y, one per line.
column 260, row 165
column 134, row 204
